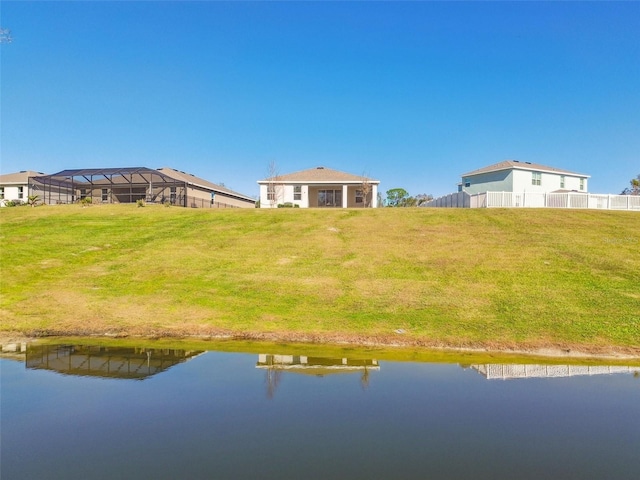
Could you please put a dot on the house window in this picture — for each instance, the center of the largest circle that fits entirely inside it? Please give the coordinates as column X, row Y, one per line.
column 20, row 192
column 582, row 184
column 561, row 181
column 536, row 178
column 1, row 193
column 172, row 194
column 467, row 184
column 297, row 192
column 271, row 193
column 359, row 196
column 83, row 193
column 105, row 195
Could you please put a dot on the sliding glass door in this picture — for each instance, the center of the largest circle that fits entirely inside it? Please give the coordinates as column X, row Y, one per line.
column 329, row 198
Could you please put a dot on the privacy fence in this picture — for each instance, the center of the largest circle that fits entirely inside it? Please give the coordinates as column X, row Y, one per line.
column 537, row 200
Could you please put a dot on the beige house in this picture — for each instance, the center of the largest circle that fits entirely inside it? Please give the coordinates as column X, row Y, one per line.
column 201, row 191
column 319, row 187
column 131, row 184
column 14, row 187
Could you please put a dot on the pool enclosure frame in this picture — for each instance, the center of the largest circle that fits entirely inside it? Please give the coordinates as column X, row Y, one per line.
column 109, row 185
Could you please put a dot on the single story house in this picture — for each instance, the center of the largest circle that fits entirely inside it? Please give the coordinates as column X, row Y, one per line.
column 201, row 191
column 130, row 184
column 517, row 176
column 319, row 187
column 14, row 187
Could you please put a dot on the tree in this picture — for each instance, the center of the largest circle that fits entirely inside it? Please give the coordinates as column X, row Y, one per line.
column 366, row 189
column 422, row 198
column 274, row 185
column 397, row 197
column 33, row 200
column 634, row 187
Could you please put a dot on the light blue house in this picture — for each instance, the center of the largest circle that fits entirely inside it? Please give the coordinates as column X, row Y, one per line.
column 517, row 176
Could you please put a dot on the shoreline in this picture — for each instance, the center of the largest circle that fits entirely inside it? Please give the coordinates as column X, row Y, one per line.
column 539, row 350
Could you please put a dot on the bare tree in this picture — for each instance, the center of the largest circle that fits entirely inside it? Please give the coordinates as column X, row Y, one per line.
column 274, row 184
column 366, row 189
column 273, row 375
column 423, row 198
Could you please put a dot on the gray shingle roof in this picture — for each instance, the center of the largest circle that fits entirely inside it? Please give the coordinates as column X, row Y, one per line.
column 321, row 175
column 201, row 182
column 18, row 177
column 509, row 164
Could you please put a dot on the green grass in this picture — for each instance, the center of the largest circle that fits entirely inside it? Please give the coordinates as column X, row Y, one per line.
column 452, row 277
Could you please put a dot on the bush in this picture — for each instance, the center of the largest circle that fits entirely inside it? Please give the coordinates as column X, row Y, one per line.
column 288, row 205
column 140, row 202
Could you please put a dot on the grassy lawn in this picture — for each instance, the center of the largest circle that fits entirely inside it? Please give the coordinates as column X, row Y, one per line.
column 495, row 278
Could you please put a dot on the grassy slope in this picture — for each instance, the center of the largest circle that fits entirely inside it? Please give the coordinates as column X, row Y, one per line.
column 501, row 278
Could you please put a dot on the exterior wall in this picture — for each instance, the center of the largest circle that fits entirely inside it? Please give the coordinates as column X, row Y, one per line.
column 201, row 197
column 516, row 180
column 309, row 195
column 500, row 181
column 549, row 182
column 12, row 192
column 264, row 198
column 288, row 195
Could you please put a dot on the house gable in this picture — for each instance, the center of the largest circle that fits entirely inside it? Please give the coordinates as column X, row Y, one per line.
column 516, row 176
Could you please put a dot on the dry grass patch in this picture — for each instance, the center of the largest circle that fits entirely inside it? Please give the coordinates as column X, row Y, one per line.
column 443, row 275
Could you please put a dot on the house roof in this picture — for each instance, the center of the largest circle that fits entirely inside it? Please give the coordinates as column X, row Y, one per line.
column 201, row 182
column 517, row 164
column 21, row 177
column 320, row 175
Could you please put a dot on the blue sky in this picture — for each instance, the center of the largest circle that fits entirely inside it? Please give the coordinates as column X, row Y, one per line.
column 412, row 93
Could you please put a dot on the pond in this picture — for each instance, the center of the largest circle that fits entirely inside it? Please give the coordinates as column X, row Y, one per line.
column 78, row 412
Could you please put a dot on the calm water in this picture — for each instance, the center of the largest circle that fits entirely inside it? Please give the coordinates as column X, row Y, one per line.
column 73, row 412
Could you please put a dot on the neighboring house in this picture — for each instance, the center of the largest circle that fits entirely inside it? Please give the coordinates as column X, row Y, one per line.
column 15, row 186
column 130, row 184
column 319, row 187
column 200, row 190
column 517, row 176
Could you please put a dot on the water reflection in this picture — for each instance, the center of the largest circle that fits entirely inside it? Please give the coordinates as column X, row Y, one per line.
column 274, row 365
column 512, row 371
column 100, row 361
column 209, row 417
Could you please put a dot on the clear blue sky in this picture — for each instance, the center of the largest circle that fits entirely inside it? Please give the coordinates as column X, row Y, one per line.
column 414, row 93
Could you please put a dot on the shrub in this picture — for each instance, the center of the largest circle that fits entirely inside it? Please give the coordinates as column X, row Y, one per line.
column 140, row 202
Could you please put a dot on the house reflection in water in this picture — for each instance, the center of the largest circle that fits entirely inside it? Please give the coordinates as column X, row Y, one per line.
column 507, row 372
column 316, row 366
column 108, row 362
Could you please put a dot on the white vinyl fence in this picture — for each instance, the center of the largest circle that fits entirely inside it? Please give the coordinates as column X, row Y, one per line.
column 538, row 200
